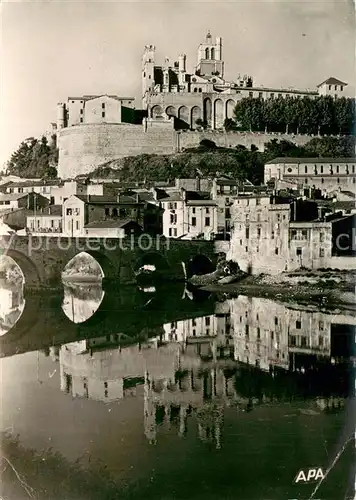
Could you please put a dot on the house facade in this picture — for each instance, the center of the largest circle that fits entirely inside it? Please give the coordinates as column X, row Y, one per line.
column 326, row 174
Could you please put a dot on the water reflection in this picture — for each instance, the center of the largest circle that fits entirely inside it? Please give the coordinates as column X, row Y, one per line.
column 250, row 352
column 81, row 300
column 255, row 379
column 12, row 301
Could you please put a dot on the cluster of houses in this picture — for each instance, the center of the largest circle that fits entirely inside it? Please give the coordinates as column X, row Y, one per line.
column 288, row 223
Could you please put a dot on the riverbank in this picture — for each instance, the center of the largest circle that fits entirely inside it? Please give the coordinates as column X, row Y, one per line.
column 331, row 290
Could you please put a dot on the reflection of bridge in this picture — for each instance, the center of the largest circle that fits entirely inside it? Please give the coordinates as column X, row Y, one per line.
column 43, row 322
column 42, row 259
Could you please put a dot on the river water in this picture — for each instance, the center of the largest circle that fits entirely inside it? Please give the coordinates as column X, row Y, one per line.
column 172, row 393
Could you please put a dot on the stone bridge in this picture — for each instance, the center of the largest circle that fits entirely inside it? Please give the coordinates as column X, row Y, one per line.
column 124, row 313
column 42, row 259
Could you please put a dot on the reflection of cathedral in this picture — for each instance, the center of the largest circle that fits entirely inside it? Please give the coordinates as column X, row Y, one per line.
column 198, row 367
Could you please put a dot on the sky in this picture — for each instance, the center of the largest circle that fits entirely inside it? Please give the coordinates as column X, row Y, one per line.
column 52, row 50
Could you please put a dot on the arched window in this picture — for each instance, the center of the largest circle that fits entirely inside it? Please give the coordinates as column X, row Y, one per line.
column 212, row 56
column 195, row 89
column 207, row 53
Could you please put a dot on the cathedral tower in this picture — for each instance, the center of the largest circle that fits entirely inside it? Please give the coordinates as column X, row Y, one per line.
column 210, row 57
column 148, row 61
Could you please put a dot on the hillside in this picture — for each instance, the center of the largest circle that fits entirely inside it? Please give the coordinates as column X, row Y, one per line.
column 209, row 160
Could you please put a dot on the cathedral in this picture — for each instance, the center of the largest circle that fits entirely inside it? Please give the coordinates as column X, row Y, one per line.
column 171, row 92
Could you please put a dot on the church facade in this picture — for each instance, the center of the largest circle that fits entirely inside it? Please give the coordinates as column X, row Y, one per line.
column 169, row 91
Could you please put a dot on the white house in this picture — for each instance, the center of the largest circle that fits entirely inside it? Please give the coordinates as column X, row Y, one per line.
column 189, row 215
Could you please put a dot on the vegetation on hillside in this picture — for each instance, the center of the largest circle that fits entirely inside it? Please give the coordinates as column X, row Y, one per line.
column 322, row 115
column 210, row 160
column 35, row 158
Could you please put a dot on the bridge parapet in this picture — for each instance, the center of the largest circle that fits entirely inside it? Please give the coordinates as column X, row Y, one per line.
column 43, row 259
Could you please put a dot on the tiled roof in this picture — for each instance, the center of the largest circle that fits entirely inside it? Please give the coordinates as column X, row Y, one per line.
column 111, row 223
column 112, row 199
column 12, row 196
column 201, row 203
column 89, row 97
column 49, row 182
column 312, row 160
column 331, row 81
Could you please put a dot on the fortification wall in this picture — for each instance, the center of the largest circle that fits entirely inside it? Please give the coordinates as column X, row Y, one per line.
column 84, row 147
column 232, row 139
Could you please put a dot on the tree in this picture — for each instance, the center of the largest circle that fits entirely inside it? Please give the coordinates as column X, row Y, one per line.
column 230, row 124
column 35, row 158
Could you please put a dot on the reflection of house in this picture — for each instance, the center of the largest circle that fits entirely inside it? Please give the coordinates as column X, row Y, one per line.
column 265, row 332
column 87, row 370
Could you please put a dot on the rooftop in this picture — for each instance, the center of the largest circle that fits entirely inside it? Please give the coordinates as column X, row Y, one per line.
column 311, row 160
column 331, row 81
column 111, row 223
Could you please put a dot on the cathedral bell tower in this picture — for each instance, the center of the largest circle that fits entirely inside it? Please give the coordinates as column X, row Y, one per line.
column 148, row 61
column 210, row 57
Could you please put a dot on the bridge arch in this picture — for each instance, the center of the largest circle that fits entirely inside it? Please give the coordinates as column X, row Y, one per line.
column 31, row 274
column 200, row 264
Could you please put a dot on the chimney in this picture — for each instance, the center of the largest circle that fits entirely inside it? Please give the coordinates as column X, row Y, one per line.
column 198, row 183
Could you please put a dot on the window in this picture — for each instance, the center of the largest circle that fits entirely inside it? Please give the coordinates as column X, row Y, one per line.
column 260, row 95
column 322, row 180
column 298, row 325
column 103, row 105
column 246, row 249
column 81, row 111
column 306, row 181
column 175, row 231
column 272, row 335
column 258, row 232
column 207, row 321
column 247, row 330
column 207, row 221
column 200, row 89
column 304, row 234
column 195, row 90
column 69, row 211
column 353, row 169
column 329, row 87
column 337, row 169
column 258, row 333
column 276, row 251
column 194, row 322
column 81, row 120
column 275, row 320
column 292, row 340
column 52, row 223
column 321, row 325
column 341, row 88
column 170, row 231
column 306, row 169
column 207, row 210
column 172, row 218
column 194, row 221
column 247, row 233
column 241, row 242
column 322, row 237
column 303, row 341
column 250, row 94
column 338, row 180
column 321, row 252
column 272, row 235
column 258, row 217
column 193, row 210
column 103, row 114
column 335, row 87
column 299, row 251
column 194, row 333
